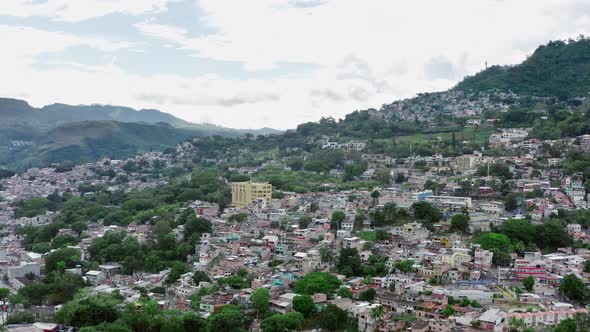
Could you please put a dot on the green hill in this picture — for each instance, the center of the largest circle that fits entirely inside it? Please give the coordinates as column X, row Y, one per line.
column 558, row 69
column 19, row 112
column 32, row 136
column 91, row 140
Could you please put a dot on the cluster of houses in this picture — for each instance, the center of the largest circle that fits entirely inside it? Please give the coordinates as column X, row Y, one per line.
column 452, row 285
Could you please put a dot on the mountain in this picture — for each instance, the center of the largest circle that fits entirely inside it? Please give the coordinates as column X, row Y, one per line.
column 19, row 112
column 86, row 141
column 557, row 69
column 32, row 136
column 62, row 113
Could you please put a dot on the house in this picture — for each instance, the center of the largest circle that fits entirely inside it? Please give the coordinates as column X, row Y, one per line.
column 94, row 277
column 492, row 320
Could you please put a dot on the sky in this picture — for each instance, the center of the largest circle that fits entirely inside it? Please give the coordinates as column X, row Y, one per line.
column 264, row 63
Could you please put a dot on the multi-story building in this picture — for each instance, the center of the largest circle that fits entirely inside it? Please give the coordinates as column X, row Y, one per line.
column 243, row 193
column 455, row 258
column 452, row 203
column 468, row 162
column 411, row 231
column 492, row 208
column 531, row 265
column 483, row 258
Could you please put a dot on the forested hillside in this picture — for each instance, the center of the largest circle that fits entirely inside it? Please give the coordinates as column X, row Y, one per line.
column 559, row 68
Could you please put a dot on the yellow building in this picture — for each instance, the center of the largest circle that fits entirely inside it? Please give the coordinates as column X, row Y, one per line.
column 243, row 193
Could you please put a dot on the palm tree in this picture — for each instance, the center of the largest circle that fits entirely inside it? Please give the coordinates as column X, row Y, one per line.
column 377, row 313
column 519, row 247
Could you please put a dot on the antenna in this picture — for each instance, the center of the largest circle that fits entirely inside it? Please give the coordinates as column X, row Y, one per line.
column 486, row 64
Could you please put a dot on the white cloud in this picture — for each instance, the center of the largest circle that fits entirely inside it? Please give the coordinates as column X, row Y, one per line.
column 166, row 32
column 79, row 10
column 365, row 54
column 24, row 44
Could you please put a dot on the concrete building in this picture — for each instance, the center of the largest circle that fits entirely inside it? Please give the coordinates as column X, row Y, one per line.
column 243, row 193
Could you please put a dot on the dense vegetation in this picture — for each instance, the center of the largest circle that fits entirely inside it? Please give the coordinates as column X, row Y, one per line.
column 558, row 69
column 522, row 235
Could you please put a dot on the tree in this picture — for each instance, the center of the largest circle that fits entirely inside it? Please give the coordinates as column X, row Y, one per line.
column 304, row 304
column 292, row 321
column 382, row 235
column 261, row 300
column 304, row 222
column 519, row 230
column 494, row 240
column 368, row 295
column 332, row 318
column 387, row 215
column 377, row 313
column 68, row 257
column 448, row 311
column 63, row 286
column 24, row 317
column 516, row 325
column 4, row 294
column 62, row 241
column 199, row 276
column 572, row 287
column 344, row 292
column 41, row 247
column 427, row 213
column 500, row 257
column 317, row 282
column 228, row 320
column 349, row 262
column 79, row 227
column 179, row 268
column 384, row 176
column 193, row 322
column 405, row 266
column 460, row 222
column 519, row 247
column 400, row 178
column 89, row 311
column 510, row 203
column 567, row 325
column 375, row 196
column 552, row 234
column 34, row 292
column 238, row 217
column 337, row 219
column 528, row 283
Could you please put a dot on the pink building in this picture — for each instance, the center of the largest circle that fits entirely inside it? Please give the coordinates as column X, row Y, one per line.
column 530, row 267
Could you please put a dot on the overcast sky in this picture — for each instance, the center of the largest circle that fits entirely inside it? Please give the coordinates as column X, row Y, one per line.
column 257, row 63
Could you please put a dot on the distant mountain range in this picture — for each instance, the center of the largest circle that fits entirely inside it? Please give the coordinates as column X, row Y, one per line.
column 39, row 136
column 15, row 111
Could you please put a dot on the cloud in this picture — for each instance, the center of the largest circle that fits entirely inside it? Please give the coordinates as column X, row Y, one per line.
column 80, row 10
column 26, row 44
column 233, row 101
column 439, row 68
column 306, row 3
column 169, row 33
column 204, row 100
column 359, row 56
column 326, row 94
